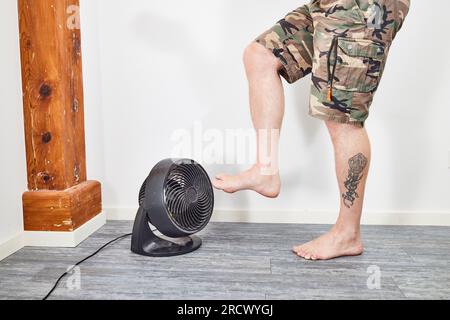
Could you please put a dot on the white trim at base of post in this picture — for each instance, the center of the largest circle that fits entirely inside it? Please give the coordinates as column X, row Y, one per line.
column 64, row 239
column 9, row 247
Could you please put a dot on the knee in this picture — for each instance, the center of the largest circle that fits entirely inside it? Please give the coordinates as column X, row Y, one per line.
column 259, row 58
column 337, row 129
column 333, row 127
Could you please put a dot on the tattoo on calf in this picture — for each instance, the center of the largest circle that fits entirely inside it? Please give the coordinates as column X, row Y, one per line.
column 357, row 165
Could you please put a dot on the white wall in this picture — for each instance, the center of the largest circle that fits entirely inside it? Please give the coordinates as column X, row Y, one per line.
column 12, row 146
column 94, row 119
column 167, row 64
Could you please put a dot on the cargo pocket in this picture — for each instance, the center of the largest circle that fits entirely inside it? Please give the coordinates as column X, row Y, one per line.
column 355, row 65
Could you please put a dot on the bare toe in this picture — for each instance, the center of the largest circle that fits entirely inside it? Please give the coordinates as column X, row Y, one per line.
column 298, row 250
column 218, row 184
column 302, row 253
column 220, row 176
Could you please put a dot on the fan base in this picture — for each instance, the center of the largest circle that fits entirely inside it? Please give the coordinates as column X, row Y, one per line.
column 146, row 243
column 158, row 247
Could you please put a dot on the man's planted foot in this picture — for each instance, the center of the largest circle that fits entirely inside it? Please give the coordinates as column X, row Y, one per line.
column 334, row 244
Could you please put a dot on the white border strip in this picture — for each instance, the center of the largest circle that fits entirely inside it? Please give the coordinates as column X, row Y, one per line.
column 64, row 239
column 9, row 247
column 400, row 218
column 52, row 239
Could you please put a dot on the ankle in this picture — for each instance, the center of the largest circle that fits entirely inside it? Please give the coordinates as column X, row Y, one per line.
column 350, row 232
column 266, row 169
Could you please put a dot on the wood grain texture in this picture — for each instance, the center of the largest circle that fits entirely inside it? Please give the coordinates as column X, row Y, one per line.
column 66, row 210
column 59, row 197
column 239, row 261
column 52, row 93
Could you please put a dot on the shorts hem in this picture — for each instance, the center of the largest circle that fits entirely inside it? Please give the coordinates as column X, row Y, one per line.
column 287, row 71
column 343, row 120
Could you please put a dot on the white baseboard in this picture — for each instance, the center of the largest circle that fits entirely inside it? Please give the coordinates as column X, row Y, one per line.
column 9, row 247
column 404, row 218
column 329, row 217
column 120, row 213
column 64, row 239
column 52, row 239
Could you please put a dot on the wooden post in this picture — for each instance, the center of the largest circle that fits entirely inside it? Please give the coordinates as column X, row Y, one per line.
column 59, row 197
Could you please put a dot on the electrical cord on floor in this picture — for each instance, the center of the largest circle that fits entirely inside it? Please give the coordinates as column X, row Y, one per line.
column 80, row 262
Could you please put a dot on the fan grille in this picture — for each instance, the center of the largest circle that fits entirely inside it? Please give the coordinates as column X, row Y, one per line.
column 189, row 196
column 142, row 193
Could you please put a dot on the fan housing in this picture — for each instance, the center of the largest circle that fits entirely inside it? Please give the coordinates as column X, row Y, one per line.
column 177, row 198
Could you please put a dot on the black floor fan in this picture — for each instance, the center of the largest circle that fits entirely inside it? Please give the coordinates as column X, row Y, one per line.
column 177, row 199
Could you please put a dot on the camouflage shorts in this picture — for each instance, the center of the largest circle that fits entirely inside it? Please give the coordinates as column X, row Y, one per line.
column 344, row 44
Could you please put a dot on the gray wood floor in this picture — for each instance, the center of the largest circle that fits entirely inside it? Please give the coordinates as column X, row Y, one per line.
column 239, row 261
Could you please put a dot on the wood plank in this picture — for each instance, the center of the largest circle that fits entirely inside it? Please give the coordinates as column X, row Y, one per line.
column 52, row 94
column 235, row 272
column 64, row 210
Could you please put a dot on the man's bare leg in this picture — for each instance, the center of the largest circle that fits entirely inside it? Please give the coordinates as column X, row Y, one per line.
column 267, row 110
column 352, row 154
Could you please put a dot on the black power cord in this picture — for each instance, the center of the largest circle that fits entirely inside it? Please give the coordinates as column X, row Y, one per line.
column 80, row 262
